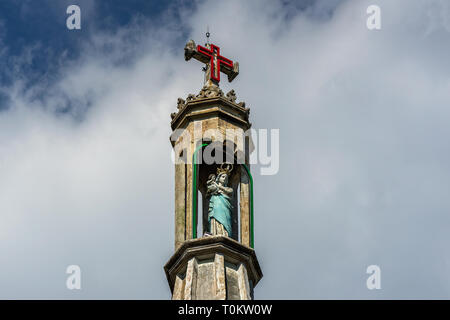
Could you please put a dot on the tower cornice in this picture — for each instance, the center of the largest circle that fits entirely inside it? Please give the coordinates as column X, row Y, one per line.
column 220, row 105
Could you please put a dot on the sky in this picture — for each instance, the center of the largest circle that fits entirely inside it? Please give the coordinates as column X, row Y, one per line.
column 86, row 176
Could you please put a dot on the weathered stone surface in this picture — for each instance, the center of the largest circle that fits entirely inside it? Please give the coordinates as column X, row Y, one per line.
column 244, row 285
column 190, row 286
column 219, row 263
column 180, row 204
column 232, row 282
column 205, row 280
column 179, row 288
column 244, row 207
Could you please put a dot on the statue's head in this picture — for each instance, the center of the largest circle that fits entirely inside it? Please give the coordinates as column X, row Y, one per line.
column 222, row 179
column 223, row 172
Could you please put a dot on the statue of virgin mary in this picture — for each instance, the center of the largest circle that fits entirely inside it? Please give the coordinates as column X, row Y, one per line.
column 220, row 207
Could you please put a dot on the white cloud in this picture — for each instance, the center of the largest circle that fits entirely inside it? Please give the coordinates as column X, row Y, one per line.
column 364, row 173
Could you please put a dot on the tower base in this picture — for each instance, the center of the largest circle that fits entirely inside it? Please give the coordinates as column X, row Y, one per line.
column 213, row 268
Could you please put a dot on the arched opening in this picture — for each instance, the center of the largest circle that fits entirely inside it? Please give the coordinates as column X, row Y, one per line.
column 202, row 172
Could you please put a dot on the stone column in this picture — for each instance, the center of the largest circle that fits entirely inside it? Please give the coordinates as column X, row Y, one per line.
column 180, row 204
column 244, row 204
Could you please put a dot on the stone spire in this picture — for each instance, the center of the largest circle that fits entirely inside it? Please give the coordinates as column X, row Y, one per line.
column 219, row 263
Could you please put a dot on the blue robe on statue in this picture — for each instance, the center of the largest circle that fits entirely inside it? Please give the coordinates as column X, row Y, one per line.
column 220, row 209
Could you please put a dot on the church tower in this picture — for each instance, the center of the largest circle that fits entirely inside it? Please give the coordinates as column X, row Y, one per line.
column 214, row 246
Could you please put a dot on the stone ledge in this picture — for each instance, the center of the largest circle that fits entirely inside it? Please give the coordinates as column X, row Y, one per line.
column 207, row 247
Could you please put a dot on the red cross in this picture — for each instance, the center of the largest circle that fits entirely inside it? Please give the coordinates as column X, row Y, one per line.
column 212, row 53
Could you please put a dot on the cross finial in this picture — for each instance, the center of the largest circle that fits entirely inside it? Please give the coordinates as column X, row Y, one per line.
column 215, row 63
